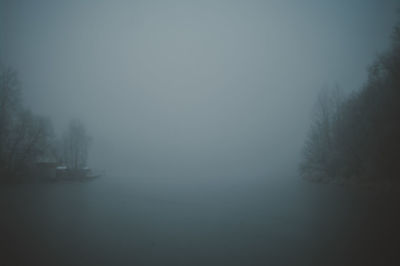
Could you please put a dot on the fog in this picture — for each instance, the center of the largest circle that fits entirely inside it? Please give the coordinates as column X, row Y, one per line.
column 196, row 109
column 168, row 85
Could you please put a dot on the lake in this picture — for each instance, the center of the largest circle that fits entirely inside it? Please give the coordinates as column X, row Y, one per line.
column 126, row 220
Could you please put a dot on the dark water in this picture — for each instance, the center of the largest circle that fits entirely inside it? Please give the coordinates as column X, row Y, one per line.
column 126, row 221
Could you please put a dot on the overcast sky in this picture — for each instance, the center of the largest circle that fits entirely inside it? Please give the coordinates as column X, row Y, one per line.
column 224, row 82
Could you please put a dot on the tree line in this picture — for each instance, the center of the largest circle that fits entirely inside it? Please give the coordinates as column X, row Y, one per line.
column 358, row 137
column 27, row 138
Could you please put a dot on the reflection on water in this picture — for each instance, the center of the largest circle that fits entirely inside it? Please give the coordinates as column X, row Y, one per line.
column 159, row 222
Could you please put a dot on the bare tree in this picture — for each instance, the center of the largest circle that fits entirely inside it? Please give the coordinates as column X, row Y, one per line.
column 24, row 136
column 76, row 145
column 32, row 139
column 320, row 151
column 10, row 96
column 357, row 137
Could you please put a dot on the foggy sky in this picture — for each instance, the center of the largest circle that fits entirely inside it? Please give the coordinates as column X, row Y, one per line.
column 224, row 83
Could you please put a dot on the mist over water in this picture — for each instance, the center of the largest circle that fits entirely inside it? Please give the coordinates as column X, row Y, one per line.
column 198, row 112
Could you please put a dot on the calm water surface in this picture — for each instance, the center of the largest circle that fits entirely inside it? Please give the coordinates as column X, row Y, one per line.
column 132, row 221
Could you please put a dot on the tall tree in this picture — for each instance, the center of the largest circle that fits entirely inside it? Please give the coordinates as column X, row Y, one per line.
column 10, row 100
column 76, row 145
column 360, row 137
column 24, row 136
